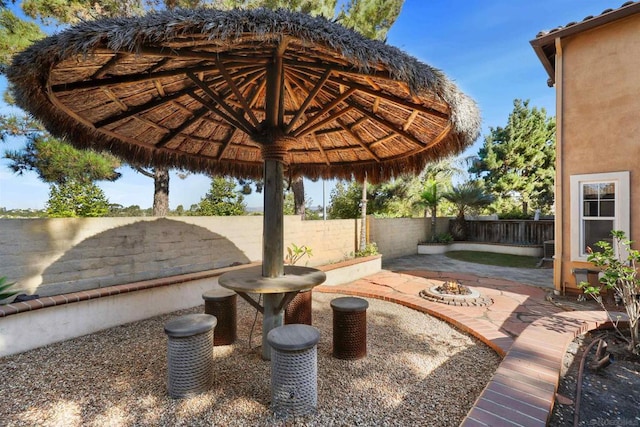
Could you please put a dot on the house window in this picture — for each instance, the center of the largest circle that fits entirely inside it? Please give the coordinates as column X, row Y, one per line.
column 600, row 204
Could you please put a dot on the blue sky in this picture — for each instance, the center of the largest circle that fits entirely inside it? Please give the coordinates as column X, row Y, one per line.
column 482, row 45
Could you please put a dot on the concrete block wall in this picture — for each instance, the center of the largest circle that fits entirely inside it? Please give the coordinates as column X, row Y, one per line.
column 330, row 241
column 61, row 255
column 400, row 236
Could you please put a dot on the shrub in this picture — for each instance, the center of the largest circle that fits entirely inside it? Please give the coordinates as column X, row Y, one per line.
column 618, row 264
column 514, row 214
column 441, row 238
column 368, row 250
column 4, row 289
column 295, row 253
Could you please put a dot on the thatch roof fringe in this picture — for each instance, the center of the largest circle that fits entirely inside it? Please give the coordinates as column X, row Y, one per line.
column 31, row 70
column 129, row 34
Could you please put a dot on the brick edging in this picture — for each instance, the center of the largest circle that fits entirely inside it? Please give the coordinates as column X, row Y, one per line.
column 483, row 330
column 50, row 301
column 43, row 302
column 522, row 391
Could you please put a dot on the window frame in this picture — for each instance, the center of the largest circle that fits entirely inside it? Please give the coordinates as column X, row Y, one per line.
column 621, row 220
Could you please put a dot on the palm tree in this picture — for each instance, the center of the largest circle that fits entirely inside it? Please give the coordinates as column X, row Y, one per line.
column 428, row 200
column 437, row 178
column 467, row 197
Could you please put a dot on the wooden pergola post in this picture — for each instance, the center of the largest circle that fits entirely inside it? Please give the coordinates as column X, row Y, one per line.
column 273, row 154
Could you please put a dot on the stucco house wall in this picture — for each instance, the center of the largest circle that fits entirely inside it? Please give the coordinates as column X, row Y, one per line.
column 596, row 71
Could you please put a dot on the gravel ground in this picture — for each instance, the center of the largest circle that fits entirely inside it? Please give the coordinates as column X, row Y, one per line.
column 610, row 396
column 418, row 371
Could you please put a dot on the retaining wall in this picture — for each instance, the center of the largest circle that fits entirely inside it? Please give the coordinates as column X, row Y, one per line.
column 32, row 324
column 61, row 255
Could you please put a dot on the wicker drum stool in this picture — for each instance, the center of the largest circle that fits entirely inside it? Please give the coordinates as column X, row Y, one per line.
column 189, row 354
column 222, row 303
column 299, row 309
column 349, row 327
column 294, row 369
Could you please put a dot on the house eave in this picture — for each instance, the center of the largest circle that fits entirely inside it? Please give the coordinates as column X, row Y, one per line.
column 544, row 44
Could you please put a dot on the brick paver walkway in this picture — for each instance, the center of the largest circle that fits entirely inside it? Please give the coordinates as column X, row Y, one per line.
column 522, row 326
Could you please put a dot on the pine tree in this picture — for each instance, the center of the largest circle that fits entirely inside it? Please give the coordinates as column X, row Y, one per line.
column 222, row 199
column 15, row 35
column 517, row 162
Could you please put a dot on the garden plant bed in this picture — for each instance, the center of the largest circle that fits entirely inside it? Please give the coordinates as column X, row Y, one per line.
column 609, row 396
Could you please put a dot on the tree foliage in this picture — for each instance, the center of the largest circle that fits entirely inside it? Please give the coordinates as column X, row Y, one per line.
column 517, row 162
column 371, row 18
column 324, row 8
column 345, row 200
column 71, row 173
column 58, row 162
column 222, row 199
column 116, row 210
column 394, row 198
column 391, row 199
column 15, row 35
column 76, row 199
column 467, row 197
column 429, row 199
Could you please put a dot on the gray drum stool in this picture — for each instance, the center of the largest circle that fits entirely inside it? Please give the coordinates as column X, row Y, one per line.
column 294, row 369
column 189, row 354
column 349, row 327
column 299, row 309
column 222, row 303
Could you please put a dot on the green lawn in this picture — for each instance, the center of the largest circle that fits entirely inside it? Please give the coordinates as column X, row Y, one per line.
column 490, row 258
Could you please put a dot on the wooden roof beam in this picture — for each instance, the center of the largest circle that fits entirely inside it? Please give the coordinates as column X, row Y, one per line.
column 115, row 99
column 410, row 119
column 376, row 91
column 324, row 154
column 108, row 66
column 236, row 91
column 238, row 118
column 308, row 125
column 129, row 78
column 310, row 97
column 359, row 141
column 332, row 117
column 175, row 132
column 390, row 126
column 143, row 107
column 410, row 105
column 227, row 118
column 383, row 139
column 226, row 143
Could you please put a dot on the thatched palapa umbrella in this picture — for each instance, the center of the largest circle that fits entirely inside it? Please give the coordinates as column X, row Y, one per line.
column 247, row 93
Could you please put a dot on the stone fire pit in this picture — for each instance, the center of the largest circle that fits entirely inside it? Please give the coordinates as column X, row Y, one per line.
column 454, row 293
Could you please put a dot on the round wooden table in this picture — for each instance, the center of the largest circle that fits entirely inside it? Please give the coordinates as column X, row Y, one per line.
column 278, row 292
